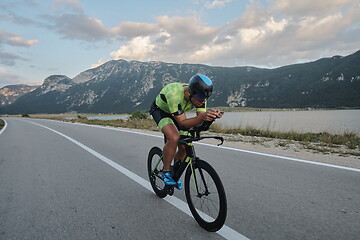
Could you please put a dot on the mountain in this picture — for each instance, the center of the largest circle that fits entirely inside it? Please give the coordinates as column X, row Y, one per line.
column 124, row 86
column 9, row 94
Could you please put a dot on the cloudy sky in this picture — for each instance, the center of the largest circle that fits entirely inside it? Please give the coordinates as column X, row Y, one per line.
column 39, row 38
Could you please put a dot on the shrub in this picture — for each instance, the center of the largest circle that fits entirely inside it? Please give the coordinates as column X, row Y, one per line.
column 82, row 117
column 138, row 115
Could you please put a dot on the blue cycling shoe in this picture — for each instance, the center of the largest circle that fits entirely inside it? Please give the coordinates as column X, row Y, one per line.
column 179, row 185
column 167, row 178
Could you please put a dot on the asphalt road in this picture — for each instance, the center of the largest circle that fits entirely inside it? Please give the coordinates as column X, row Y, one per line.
column 56, row 183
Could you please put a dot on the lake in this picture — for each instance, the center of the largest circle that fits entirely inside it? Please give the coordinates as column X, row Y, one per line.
column 109, row 117
column 333, row 121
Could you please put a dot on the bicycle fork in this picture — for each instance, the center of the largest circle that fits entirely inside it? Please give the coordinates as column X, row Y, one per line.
column 198, row 193
column 192, row 159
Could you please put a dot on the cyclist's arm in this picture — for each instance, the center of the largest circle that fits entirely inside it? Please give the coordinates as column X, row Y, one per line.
column 188, row 122
column 214, row 114
column 192, row 122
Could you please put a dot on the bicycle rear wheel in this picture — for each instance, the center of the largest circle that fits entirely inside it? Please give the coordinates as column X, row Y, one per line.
column 155, row 165
column 208, row 203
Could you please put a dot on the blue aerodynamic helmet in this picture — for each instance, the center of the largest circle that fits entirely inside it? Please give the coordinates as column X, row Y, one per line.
column 200, row 86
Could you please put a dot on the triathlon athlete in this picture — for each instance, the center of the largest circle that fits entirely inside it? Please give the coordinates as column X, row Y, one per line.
column 168, row 111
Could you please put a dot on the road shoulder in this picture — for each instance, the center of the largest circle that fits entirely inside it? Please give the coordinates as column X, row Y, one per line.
column 276, row 147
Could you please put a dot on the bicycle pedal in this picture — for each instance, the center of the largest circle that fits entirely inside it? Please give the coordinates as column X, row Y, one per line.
column 170, row 190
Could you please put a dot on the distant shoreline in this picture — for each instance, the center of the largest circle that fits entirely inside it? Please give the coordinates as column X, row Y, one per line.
column 222, row 108
column 347, row 143
column 248, row 109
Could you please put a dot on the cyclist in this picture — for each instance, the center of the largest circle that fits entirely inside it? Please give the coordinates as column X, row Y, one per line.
column 168, row 111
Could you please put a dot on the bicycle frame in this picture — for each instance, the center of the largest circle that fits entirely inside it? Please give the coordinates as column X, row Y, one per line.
column 190, row 158
column 204, row 190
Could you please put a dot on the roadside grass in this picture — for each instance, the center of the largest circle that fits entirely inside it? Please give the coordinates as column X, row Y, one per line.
column 138, row 124
column 321, row 142
column 349, row 139
column 137, row 120
column 347, row 143
column 2, row 123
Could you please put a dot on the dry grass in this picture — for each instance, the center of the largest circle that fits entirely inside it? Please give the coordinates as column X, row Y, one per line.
column 351, row 140
column 138, row 124
column 347, row 143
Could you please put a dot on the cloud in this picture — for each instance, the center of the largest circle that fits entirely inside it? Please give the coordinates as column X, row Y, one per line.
column 73, row 5
column 269, row 36
column 186, row 39
column 79, row 26
column 139, row 48
column 8, row 78
column 10, row 12
column 308, row 7
column 278, row 33
column 9, row 59
column 216, row 3
column 15, row 40
column 18, row 19
column 168, row 40
column 133, row 29
column 100, row 62
column 236, row 45
column 183, row 33
column 6, row 38
column 18, row 41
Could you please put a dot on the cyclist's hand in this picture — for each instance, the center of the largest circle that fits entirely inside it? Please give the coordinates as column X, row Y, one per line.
column 217, row 113
column 209, row 116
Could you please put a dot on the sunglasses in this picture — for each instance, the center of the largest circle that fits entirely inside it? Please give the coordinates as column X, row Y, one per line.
column 199, row 97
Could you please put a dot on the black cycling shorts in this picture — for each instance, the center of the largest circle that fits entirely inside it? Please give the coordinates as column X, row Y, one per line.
column 163, row 118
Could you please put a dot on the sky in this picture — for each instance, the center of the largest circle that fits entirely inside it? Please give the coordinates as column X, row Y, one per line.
column 39, row 38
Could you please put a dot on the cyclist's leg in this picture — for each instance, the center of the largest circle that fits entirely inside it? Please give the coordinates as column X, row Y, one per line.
column 166, row 124
column 172, row 137
column 181, row 153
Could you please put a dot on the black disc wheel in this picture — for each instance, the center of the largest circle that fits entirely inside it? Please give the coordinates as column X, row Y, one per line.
column 205, row 196
column 155, row 165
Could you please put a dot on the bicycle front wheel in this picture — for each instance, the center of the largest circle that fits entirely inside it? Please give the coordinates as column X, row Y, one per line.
column 205, row 195
column 155, row 165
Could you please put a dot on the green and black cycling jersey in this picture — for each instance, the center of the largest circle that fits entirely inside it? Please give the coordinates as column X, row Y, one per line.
column 171, row 100
column 172, row 103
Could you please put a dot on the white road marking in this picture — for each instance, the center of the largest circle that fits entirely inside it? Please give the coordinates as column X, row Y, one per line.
column 4, row 127
column 225, row 231
column 235, row 149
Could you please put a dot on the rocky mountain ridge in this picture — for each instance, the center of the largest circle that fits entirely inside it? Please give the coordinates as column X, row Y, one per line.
column 10, row 93
column 120, row 86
